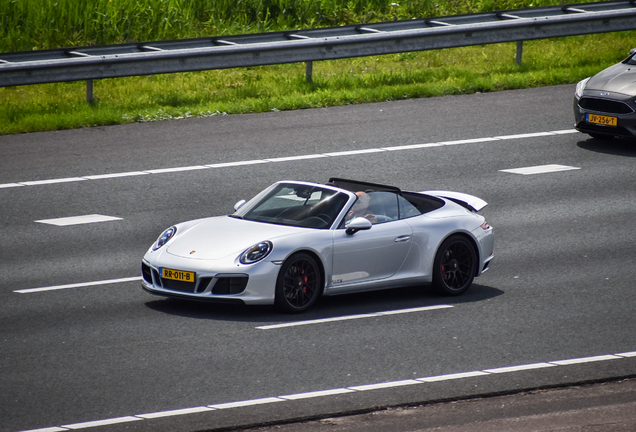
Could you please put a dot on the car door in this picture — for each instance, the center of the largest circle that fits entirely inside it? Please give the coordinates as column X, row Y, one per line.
column 368, row 255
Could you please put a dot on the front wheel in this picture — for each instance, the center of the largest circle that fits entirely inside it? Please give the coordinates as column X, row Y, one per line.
column 455, row 266
column 299, row 283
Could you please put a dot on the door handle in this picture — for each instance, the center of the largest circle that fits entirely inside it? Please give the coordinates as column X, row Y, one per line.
column 402, row 239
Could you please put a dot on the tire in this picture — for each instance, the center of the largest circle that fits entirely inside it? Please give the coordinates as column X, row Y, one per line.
column 299, row 283
column 455, row 266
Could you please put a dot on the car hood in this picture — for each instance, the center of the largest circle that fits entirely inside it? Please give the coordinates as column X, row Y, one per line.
column 620, row 78
column 219, row 237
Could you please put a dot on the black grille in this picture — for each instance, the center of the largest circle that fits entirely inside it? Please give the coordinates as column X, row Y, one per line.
column 177, row 285
column 203, row 284
column 146, row 273
column 230, row 285
column 604, row 105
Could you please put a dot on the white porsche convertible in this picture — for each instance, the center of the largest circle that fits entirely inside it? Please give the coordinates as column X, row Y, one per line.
column 296, row 241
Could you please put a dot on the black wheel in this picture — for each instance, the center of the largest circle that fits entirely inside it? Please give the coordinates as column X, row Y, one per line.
column 455, row 266
column 299, row 283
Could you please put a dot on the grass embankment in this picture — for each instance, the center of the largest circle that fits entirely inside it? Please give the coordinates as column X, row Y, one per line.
column 279, row 87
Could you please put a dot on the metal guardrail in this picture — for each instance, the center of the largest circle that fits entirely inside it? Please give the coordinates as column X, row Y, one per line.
column 113, row 61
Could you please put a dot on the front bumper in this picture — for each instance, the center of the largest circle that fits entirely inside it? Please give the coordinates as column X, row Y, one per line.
column 256, row 287
column 626, row 121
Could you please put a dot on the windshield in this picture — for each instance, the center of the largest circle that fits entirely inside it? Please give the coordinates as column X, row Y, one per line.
column 298, row 205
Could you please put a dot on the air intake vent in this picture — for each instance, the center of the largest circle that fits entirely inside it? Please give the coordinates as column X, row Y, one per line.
column 230, row 285
column 604, row 105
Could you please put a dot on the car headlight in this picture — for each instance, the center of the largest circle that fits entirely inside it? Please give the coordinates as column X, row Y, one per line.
column 164, row 238
column 256, row 252
column 580, row 87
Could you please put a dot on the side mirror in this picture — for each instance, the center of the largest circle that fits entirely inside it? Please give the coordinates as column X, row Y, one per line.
column 632, row 51
column 239, row 204
column 358, row 224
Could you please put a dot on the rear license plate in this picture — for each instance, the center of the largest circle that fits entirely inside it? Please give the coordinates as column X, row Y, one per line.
column 602, row 120
column 179, row 275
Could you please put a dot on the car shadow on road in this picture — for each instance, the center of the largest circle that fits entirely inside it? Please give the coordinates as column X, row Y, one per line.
column 612, row 146
column 327, row 307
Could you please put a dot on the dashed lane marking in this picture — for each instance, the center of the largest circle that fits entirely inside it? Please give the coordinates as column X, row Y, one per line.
column 352, row 317
column 78, row 285
column 286, row 159
column 78, row 220
column 540, row 169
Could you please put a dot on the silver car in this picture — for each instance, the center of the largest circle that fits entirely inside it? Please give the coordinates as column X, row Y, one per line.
column 296, row 241
column 605, row 104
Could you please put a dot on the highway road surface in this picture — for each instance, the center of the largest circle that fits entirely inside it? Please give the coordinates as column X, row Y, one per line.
column 83, row 347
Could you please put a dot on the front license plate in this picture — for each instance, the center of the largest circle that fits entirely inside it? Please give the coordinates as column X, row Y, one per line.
column 602, row 120
column 183, row 276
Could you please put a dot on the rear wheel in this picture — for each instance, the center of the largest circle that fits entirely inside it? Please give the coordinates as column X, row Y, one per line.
column 299, row 283
column 455, row 266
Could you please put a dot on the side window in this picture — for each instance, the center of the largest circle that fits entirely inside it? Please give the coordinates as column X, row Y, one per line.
column 407, row 209
column 384, row 206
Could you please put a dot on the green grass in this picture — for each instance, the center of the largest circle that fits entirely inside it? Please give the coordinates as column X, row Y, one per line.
column 280, row 87
column 41, row 24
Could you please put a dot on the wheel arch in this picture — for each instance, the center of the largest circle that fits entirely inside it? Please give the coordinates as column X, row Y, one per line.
column 472, row 241
column 318, row 259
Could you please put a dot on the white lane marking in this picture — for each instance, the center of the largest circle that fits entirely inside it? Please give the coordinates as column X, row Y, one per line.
column 104, row 422
column 452, row 376
column 79, row 220
column 52, row 181
column 78, row 285
column 318, row 393
column 174, row 412
column 177, row 169
column 352, row 317
column 286, row 159
column 520, row 368
column 116, row 175
column 331, row 392
column 385, row 385
column 585, row 360
column 246, row 403
column 540, row 169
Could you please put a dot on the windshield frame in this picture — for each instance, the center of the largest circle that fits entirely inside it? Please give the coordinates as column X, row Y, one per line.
column 269, row 206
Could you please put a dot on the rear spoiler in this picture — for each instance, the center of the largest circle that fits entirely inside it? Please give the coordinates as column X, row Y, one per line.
column 467, row 201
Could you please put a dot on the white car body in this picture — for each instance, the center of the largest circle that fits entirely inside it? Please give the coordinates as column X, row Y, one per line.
column 387, row 254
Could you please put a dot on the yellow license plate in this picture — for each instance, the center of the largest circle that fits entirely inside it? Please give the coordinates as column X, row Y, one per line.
column 602, row 120
column 183, row 276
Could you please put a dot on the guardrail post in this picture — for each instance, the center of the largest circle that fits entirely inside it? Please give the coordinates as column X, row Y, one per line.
column 519, row 51
column 89, row 91
column 308, row 71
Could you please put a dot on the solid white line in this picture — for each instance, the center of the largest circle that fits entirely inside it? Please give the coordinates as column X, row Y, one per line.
column 319, row 393
column 519, row 368
column 52, row 181
column 78, row 285
column 385, row 385
column 337, row 391
column 585, row 360
column 79, row 220
column 352, row 317
column 116, row 175
column 174, row 412
column 246, row 403
column 104, row 422
column 452, row 376
column 177, row 169
column 286, row 159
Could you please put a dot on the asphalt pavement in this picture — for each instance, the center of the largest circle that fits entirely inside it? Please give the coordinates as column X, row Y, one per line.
column 599, row 407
